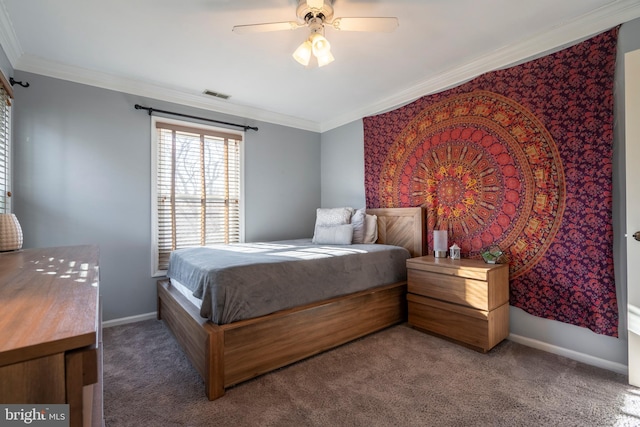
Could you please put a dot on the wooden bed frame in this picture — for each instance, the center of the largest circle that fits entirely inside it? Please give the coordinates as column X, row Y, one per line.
column 226, row 355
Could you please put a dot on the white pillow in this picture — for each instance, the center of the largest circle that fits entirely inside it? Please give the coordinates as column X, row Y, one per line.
column 357, row 220
column 331, row 216
column 371, row 229
column 334, row 235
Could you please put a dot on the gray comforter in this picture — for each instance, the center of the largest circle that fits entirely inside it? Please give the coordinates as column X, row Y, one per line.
column 241, row 281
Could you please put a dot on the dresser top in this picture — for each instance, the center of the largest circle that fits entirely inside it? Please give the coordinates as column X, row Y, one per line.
column 48, row 301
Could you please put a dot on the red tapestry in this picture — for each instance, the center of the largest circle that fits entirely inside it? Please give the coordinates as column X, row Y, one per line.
column 519, row 158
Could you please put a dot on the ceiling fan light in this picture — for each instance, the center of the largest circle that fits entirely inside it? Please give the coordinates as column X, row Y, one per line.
column 320, row 45
column 303, row 53
column 325, row 59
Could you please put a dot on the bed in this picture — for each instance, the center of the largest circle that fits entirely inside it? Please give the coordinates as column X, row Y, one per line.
column 229, row 353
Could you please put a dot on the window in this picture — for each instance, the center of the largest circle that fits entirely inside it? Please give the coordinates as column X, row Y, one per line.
column 6, row 94
column 197, row 183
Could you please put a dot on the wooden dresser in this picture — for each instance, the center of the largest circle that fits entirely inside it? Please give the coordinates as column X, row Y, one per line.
column 464, row 300
column 50, row 330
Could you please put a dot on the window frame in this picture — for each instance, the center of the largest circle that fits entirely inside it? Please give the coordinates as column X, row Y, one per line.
column 155, row 271
column 6, row 100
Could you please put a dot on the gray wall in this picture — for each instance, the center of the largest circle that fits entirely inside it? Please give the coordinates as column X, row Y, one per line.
column 82, row 175
column 343, row 184
column 343, row 166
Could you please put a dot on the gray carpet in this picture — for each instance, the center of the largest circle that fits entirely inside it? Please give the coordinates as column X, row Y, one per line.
column 396, row 377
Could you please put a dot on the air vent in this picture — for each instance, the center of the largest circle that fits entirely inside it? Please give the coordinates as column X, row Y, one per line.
column 216, row 94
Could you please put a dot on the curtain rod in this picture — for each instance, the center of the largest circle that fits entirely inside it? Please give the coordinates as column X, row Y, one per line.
column 151, row 110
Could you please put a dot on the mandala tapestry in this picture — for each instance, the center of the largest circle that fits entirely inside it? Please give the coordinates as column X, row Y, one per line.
column 520, row 159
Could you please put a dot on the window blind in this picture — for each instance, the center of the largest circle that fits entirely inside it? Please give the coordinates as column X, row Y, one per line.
column 198, row 188
column 5, row 145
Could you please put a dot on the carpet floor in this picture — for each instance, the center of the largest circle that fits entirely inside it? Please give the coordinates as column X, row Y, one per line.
column 396, row 377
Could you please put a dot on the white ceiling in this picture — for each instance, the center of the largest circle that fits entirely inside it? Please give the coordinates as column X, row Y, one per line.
column 175, row 49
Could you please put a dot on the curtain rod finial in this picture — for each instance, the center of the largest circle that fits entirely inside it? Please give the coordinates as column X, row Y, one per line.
column 15, row 82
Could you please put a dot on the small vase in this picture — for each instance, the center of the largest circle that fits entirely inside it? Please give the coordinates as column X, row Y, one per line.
column 10, row 233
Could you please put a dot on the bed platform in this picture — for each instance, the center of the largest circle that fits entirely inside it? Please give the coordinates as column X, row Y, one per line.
column 226, row 355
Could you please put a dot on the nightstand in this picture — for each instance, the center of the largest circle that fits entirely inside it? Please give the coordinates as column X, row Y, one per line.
column 465, row 300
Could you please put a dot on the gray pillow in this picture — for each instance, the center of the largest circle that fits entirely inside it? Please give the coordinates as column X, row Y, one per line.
column 326, row 217
column 334, row 235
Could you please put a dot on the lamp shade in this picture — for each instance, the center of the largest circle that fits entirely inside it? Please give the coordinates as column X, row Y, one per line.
column 440, row 243
column 303, row 53
column 325, row 59
column 320, row 45
column 10, row 233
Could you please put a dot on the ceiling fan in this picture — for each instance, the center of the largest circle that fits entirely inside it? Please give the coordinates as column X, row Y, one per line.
column 316, row 14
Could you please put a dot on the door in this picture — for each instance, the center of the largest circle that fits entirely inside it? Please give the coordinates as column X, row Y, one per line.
column 632, row 156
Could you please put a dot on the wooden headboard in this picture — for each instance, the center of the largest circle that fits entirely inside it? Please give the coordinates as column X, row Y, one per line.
column 402, row 227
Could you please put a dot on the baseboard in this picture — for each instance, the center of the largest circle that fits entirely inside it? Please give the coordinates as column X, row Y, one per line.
column 571, row 354
column 130, row 319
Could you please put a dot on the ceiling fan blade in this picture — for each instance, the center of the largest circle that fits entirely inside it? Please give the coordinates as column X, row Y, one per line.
column 315, row 4
column 365, row 24
column 263, row 28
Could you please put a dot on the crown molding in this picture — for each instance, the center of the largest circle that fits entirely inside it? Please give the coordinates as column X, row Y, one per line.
column 36, row 65
column 156, row 91
column 566, row 34
column 8, row 38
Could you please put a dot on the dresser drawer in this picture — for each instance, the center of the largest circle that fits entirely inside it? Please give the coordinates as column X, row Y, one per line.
column 458, row 290
column 479, row 329
column 22, row 382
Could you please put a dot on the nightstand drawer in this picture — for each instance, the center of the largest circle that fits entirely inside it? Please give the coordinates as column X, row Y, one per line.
column 455, row 289
column 479, row 329
column 469, row 268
